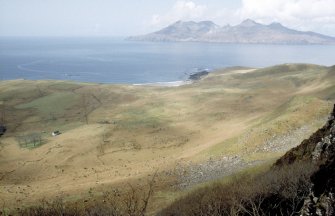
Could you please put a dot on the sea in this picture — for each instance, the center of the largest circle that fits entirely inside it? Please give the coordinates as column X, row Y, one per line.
column 119, row 61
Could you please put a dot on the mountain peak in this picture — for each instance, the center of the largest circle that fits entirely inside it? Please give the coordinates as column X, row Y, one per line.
column 276, row 24
column 248, row 23
column 205, row 22
column 181, row 22
column 247, row 31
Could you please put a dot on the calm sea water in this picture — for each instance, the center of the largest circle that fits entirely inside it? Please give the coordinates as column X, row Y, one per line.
column 118, row 61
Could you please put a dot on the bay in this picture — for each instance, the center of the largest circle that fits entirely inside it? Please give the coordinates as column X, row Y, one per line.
column 115, row 60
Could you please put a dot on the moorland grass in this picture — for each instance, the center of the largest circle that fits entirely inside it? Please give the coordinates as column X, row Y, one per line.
column 56, row 103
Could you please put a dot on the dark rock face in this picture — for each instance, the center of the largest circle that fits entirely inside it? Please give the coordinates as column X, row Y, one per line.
column 198, row 75
column 321, row 200
column 2, row 130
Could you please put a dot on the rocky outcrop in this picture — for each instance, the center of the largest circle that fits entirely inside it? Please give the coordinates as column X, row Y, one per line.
column 198, row 75
column 321, row 200
column 320, row 149
column 2, row 129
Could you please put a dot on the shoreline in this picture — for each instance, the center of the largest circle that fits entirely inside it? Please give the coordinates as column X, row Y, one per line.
column 165, row 84
column 177, row 83
column 157, row 84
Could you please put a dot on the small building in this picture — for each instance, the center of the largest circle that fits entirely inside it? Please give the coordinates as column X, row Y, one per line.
column 55, row 133
column 2, row 129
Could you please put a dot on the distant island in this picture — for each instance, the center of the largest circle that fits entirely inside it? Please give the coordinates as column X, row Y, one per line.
column 248, row 32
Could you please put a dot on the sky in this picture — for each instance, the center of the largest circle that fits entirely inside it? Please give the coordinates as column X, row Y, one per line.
column 134, row 17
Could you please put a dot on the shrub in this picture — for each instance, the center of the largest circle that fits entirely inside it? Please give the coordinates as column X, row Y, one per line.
column 280, row 191
column 133, row 202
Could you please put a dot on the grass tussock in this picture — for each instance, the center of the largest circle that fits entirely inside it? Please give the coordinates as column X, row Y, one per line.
column 111, row 205
column 132, row 202
column 280, row 191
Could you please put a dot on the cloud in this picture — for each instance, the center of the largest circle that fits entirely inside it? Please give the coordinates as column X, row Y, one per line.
column 316, row 15
column 181, row 10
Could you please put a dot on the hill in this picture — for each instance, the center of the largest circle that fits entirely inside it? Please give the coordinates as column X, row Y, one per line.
column 248, row 31
column 301, row 182
column 116, row 135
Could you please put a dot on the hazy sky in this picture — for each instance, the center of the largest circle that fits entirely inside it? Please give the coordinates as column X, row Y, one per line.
column 132, row 17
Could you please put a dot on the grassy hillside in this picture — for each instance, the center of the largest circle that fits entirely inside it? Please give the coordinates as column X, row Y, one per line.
column 118, row 134
column 300, row 183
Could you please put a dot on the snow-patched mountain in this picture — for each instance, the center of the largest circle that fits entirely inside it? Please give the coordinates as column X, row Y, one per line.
column 248, row 31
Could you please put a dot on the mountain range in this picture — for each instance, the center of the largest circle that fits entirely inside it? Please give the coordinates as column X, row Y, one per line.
column 247, row 32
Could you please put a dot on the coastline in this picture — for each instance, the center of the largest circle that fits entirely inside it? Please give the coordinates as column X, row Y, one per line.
column 192, row 77
column 165, row 84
